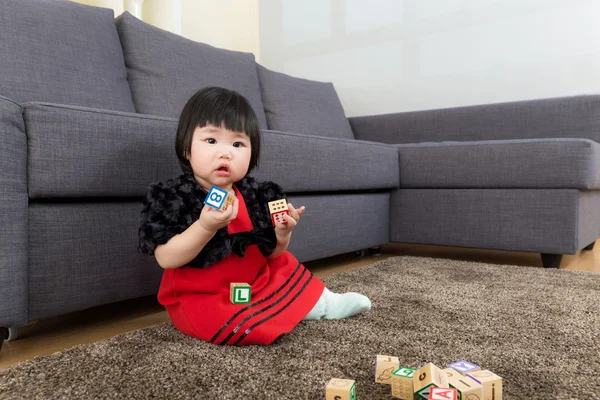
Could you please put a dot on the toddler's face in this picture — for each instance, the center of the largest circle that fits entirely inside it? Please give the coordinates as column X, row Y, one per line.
column 219, row 156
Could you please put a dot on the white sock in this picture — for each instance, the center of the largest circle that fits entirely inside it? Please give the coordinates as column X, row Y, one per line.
column 318, row 310
column 343, row 305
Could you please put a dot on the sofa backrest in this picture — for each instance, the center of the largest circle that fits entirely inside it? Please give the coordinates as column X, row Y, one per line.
column 165, row 69
column 302, row 106
column 62, row 52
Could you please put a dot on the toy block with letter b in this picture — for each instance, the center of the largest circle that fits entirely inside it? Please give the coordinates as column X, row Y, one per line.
column 218, row 198
column 277, row 209
column 466, row 387
column 443, row 394
column 340, row 389
column 492, row 384
column 427, row 377
column 402, row 383
column 240, row 293
column 464, row 367
column 384, row 366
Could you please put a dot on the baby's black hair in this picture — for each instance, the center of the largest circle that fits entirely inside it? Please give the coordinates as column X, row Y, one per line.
column 216, row 106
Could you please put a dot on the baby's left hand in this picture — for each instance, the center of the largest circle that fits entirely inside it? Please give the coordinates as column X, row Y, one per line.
column 282, row 229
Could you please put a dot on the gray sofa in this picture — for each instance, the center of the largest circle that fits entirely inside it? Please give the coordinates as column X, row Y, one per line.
column 88, row 112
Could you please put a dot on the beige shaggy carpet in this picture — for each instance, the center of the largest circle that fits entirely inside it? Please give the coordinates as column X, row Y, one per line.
column 538, row 329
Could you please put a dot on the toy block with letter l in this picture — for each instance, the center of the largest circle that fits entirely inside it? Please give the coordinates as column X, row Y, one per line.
column 218, row 198
column 492, row 384
column 240, row 293
column 442, row 394
column 464, row 366
column 466, row 387
column 402, row 383
column 340, row 389
column 427, row 377
column 278, row 209
column 384, row 366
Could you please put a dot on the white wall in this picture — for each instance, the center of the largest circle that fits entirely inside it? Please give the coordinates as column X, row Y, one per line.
column 228, row 24
column 399, row 55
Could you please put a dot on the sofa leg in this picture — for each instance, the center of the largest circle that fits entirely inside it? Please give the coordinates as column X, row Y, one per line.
column 551, row 260
column 590, row 246
column 3, row 335
column 375, row 251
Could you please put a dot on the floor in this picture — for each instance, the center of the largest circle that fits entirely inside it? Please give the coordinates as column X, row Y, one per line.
column 49, row 336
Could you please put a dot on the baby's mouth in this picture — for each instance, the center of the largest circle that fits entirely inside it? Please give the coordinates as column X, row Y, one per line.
column 223, row 170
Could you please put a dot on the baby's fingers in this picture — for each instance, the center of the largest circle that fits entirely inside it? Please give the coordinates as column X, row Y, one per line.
column 295, row 213
column 291, row 221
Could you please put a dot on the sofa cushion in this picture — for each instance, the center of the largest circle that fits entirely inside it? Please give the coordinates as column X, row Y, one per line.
column 13, row 215
column 72, row 153
column 62, row 52
column 165, row 69
column 527, row 163
column 303, row 163
column 302, row 106
column 86, row 152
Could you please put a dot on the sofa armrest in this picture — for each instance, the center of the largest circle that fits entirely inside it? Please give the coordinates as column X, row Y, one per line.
column 13, row 215
column 563, row 117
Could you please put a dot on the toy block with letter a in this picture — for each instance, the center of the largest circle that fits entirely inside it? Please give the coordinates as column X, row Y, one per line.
column 340, row 389
column 466, row 387
column 492, row 384
column 384, row 366
column 277, row 209
column 402, row 383
column 443, row 394
column 427, row 377
column 240, row 293
column 218, row 198
column 464, row 366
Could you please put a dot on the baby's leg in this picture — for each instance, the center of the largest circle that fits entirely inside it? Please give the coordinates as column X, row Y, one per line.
column 335, row 305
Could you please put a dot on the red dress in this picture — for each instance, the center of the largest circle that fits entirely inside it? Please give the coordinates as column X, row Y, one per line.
column 283, row 292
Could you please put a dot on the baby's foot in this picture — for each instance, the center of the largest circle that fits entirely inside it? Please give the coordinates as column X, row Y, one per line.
column 343, row 305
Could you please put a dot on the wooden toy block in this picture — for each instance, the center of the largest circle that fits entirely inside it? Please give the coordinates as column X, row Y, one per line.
column 402, row 383
column 427, row 377
column 228, row 201
column 492, row 384
column 277, row 206
column 465, row 386
column 443, row 394
column 340, row 389
column 464, row 366
column 240, row 293
column 384, row 366
column 277, row 209
column 218, row 198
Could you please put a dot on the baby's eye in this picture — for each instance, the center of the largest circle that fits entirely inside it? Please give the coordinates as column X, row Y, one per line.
column 238, row 144
column 210, row 141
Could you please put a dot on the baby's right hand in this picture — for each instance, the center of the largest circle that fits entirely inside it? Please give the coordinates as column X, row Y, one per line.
column 212, row 219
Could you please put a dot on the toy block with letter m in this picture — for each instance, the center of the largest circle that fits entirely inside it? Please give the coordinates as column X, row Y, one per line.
column 464, row 367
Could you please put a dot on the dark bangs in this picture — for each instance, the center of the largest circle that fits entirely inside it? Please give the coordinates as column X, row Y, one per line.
column 218, row 107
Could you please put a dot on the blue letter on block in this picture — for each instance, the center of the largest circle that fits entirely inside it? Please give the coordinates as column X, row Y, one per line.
column 216, row 197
